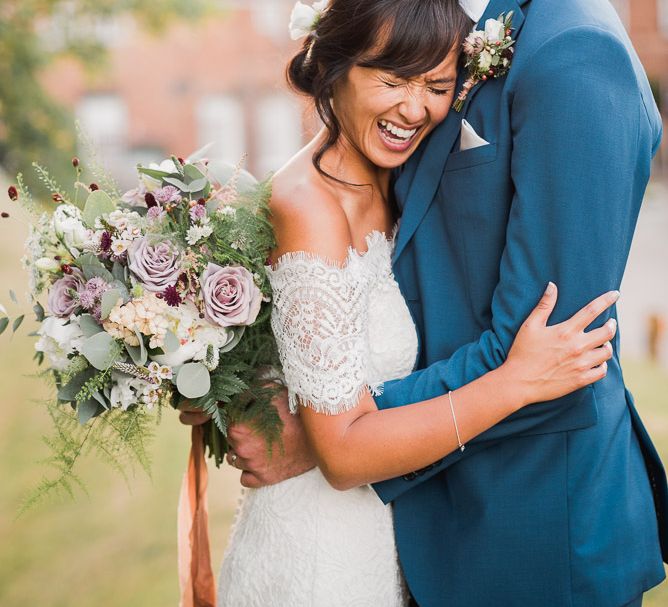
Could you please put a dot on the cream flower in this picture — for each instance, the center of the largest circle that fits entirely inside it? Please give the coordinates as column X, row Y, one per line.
column 304, row 19
column 495, row 30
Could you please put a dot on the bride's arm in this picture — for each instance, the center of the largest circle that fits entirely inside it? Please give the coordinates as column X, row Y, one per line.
column 362, row 445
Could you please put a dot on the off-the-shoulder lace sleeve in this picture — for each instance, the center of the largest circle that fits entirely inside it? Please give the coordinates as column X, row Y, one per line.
column 320, row 321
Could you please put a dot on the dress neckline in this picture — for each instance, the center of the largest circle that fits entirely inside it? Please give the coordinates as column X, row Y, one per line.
column 376, row 240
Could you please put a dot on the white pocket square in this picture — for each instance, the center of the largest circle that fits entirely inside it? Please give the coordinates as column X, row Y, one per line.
column 469, row 138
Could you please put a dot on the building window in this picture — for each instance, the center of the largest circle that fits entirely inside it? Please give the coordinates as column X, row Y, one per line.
column 104, row 121
column 663, row 16
column 221, row 121
column 278, row 131
column 622, row 8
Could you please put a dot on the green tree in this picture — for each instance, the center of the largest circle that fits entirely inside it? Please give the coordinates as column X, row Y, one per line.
column 33, row 126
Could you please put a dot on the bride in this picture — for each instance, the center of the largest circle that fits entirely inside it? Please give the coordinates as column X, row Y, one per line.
column 382, row 75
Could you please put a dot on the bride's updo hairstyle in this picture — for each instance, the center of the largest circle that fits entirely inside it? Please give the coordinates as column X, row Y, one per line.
column 405, row 37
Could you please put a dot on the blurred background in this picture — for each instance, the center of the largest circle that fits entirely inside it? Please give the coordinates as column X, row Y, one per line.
column 149, row 78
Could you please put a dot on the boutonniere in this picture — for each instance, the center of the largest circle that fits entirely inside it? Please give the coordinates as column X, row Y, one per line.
column 489, row 54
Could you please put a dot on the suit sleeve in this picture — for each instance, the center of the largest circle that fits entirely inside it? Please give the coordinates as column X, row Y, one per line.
column 579, row 167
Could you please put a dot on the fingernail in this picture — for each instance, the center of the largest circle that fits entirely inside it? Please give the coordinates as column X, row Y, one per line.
column 613, row 323
column 616, row 295
column 551, row 287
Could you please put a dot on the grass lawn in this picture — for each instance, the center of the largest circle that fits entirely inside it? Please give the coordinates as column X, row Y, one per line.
column 118, row 548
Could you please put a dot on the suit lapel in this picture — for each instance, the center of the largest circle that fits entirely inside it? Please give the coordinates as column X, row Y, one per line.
column 419, row 192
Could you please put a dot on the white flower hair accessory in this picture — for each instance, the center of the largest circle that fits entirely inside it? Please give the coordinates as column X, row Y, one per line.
column 304, row 19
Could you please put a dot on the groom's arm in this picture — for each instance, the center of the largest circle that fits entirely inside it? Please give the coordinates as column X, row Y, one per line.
column 581, row 155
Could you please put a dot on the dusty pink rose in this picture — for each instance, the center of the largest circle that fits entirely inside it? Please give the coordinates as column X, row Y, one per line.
column 156, row 265
column 231, row 296
column 63, row 297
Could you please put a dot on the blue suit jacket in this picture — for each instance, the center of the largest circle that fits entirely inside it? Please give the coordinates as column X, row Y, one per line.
column 564, row 503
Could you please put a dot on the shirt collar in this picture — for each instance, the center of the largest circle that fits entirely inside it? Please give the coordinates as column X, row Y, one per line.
column 474, row 8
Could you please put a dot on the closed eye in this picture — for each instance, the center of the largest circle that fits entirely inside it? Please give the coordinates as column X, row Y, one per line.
column 439, row 91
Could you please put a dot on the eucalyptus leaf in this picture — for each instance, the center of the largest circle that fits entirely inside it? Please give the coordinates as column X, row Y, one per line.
column 142, row 347
column 89, row 325
column 122, row 289
column 12, row 296
column 4, row 323
column 109, row 300
column 118, row 272
column 193, row 173
column 87, row 410
column 197, row 185
column 17, row 323
column 177, row 182
column 137, row 355
column 38, row 309
column 99, row 398
column 155, row 173
column 69, row 391
column 101, row 350
column 193, row 380
column 98, row 203
column 238, row 334
column 172, row 343
column 91, row 267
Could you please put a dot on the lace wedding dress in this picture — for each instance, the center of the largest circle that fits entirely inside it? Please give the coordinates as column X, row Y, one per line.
column 340, row 328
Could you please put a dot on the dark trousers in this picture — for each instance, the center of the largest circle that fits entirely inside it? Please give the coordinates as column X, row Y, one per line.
column 635, row 603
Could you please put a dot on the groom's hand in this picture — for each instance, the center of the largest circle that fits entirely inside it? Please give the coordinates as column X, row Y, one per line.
column 258, row 467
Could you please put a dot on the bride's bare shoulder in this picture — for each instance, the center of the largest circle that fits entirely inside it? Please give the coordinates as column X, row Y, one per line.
column 306, row 214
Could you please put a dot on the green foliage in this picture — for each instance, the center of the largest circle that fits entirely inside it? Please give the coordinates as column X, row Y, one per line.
column 119, row 438
column 94, row 385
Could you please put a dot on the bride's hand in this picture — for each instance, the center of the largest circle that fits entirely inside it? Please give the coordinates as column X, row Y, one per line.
column 548, row 362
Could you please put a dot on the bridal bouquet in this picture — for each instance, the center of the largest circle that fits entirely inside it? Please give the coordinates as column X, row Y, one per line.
column 151, row 297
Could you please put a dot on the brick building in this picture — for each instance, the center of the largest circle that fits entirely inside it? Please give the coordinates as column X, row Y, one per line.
column 222, row 80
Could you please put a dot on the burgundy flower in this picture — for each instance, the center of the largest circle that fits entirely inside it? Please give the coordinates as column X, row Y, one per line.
column 93, row 187
column 13, row 193
column 105, row 241
column 150, row 200
column 56, row 197
column 172, row 297
column 4, row 215
column 75, row 162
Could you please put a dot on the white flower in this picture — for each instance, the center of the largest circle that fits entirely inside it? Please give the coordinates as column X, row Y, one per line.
column 195, row 335
column 495, row 30
column 127, row 391
column 197, row 233
column 46, row 264
column 304, row 19
column 118, row 246
column 485, row 61
column 58, row 339
column 69, row 227
column 228, row 210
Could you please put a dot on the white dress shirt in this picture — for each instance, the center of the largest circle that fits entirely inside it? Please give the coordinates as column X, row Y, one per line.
column 474, row 8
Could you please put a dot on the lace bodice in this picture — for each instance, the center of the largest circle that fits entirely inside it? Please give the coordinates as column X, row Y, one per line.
column 340, row 328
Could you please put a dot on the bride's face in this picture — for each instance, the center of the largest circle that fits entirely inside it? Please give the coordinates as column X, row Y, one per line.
column 386, row 117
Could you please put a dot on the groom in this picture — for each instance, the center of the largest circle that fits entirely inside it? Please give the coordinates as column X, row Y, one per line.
column 565, row 503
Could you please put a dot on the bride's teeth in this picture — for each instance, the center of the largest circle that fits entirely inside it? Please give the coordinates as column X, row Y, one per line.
column 397, row 131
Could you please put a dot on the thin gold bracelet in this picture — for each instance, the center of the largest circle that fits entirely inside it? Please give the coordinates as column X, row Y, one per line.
column 454, row 419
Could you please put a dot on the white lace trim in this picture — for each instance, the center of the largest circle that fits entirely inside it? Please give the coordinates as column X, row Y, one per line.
column 320, row 319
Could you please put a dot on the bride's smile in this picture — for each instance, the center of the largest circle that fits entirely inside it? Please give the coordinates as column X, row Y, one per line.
column 386, row 117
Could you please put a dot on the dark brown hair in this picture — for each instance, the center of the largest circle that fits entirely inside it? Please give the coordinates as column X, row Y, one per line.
column 405, row 37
